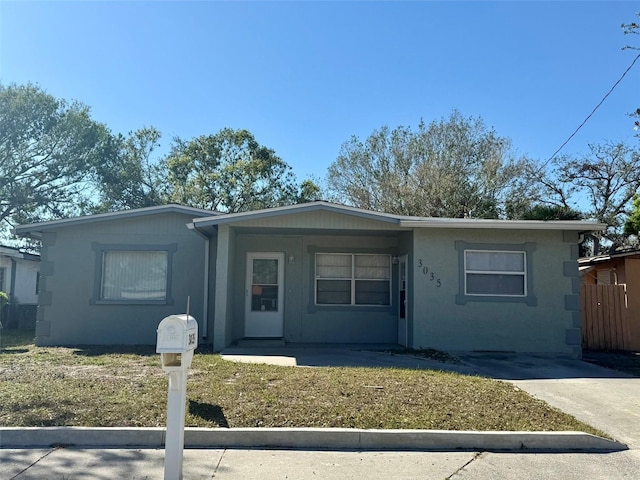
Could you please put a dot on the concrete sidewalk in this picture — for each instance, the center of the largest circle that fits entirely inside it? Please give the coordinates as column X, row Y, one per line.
column 242, row 464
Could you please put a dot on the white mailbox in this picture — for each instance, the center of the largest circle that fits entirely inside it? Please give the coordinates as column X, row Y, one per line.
column 177, row 339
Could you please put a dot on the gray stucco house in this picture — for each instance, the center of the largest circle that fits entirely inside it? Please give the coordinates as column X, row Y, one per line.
column 311, row 273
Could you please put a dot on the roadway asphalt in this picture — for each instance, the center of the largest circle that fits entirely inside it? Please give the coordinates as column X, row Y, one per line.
column 606, row 399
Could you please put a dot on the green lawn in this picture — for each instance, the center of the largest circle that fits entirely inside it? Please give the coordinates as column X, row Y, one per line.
column 121, row 386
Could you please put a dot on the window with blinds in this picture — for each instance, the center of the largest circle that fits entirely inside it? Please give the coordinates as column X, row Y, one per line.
column 352, row 279
column 134, row 275
column 496, row 273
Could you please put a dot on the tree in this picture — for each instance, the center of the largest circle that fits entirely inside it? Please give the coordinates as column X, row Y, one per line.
column 47, row 148
column 454, row 167
column 632, row 225
column 605, row 180
column 127, row 176
column 550, row 212
column 231, row 172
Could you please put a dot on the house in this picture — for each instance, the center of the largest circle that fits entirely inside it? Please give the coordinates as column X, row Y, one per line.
column 19, row 276
column 613, row 319
column 312, row 273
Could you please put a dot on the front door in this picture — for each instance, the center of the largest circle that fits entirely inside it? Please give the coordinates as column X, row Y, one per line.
column 403, row 287
column 264, row 306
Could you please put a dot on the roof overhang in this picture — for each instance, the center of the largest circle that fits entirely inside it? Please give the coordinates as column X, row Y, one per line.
column 475, row 223
column 11, row 252
column 35, row 230
column 401, row 221
column 589, row 261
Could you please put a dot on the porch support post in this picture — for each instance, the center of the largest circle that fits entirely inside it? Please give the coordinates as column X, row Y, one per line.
column 222, row 310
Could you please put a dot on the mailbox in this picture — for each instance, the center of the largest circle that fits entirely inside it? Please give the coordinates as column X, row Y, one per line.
column 177, row 339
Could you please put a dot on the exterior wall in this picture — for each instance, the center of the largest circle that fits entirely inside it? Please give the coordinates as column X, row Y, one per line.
column 547, row 322
column 68, row 313
column 615, row 267
column 23, row 279
column 303, row 320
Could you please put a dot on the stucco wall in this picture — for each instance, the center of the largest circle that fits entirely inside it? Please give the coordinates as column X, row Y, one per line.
column 24, row 279
column 549, row 325
column 68, row 313
column 303, row 321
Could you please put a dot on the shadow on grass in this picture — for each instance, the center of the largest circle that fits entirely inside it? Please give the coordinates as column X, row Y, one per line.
column 206, row 411
column 97, row 350
column 143, row 350
column 13, row 350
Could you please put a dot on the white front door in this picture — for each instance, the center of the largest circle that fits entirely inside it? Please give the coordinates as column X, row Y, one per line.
column 264, row 306
column 403, row 287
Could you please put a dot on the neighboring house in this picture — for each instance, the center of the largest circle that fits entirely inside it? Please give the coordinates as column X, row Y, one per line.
column 312, row 273
column 19, row 275
column 621, row 317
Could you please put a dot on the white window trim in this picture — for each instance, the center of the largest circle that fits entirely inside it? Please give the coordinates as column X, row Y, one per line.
column 352, row 279
column 522, row 273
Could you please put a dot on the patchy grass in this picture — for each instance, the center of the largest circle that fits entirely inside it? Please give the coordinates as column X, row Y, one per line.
column 628, row 362
column 90, row 386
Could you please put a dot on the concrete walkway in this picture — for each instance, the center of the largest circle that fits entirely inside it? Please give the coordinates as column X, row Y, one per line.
column 343, row 356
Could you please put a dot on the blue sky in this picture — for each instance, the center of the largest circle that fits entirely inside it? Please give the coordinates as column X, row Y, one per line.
column 304, row 77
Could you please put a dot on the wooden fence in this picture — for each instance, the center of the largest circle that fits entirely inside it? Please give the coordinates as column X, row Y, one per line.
column 605, row 324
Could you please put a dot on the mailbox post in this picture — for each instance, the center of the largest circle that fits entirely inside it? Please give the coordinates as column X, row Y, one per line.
column 176, row 341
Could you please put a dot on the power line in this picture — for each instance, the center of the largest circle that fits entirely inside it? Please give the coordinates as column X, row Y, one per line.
column 592, row 112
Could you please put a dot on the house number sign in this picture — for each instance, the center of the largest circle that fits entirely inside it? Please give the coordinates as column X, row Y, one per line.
column 432, row 276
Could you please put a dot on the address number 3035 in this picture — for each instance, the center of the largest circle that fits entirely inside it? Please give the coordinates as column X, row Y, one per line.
column 431, row 275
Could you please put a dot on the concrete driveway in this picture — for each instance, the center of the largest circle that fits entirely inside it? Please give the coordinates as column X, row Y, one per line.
column 606, row 399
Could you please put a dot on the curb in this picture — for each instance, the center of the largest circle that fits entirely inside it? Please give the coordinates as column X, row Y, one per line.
column 308, row 438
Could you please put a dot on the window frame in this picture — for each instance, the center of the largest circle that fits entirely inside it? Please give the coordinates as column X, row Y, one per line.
column 100, row 250
column 520, row 273
column 353, row 279
column 528, row 248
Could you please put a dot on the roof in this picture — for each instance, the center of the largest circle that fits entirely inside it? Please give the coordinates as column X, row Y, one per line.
column 208, row 218
column 401, row 220
column 35, row 229
column 292, row 209
column 13, row 252
column 587, row 261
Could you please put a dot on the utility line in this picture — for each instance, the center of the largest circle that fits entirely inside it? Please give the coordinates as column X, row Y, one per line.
column 592, row 112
